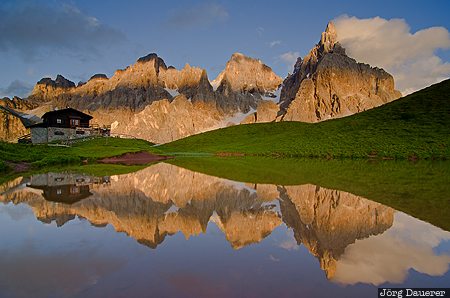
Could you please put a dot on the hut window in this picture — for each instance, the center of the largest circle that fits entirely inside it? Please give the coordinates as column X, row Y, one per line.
column 58, row 191
column 74, row 189
column 59, row 121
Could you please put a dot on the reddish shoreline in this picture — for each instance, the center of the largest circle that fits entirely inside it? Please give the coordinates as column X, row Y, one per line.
column 135, row 158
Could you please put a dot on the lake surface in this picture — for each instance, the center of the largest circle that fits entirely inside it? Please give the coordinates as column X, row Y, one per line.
column 166, row 231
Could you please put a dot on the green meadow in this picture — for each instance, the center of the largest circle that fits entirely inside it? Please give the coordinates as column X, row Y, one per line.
column 40, row 156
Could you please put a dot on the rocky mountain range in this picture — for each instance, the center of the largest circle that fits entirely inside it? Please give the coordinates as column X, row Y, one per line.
column 159, row 103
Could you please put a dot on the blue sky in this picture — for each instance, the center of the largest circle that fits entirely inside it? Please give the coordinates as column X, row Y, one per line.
column 80, row 38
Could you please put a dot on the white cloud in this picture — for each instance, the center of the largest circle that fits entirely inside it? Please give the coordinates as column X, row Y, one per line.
column 388, row 257
column 409, row 57
column 289, row 58
column 274, row 43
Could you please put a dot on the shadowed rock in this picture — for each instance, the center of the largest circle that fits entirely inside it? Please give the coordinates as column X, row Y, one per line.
column 100, row 76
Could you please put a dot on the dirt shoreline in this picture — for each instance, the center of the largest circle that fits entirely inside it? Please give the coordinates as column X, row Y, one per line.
column 18, row 167
column 134, row 158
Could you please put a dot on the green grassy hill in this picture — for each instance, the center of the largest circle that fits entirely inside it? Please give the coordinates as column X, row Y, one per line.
column 417, row 125
column 42, row 155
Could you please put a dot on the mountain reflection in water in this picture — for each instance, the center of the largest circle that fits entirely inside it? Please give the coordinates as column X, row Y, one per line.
column 163, row 199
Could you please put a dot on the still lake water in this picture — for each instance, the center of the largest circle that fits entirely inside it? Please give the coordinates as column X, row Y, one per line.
column 166, row 231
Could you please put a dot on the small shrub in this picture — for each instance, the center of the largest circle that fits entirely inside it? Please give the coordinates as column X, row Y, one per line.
column 57, row 160
column 3, row 166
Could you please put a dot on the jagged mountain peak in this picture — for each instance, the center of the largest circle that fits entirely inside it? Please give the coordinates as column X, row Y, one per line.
column 329, row 37
column 243, row 73
column 47, row 89
column 242, row 58
column 60, row 82
column 99, row 76
column 148, row 58
column 239, row 57
column 327, row 84
column 158, row 62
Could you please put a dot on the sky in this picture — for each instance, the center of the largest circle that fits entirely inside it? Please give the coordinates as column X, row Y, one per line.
column 79, row 38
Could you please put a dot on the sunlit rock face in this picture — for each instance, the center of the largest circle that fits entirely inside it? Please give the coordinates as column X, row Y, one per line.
column 164, row 121
column 132, row 88
column 328, row 84
column 243, row 82
column 16, row 103
column 12, row 126
column 243, row 73
column 158, row 103
column 47, row 89
column 267, row 111
column 326, row 221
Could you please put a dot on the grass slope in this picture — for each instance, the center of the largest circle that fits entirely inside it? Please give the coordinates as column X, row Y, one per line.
column 43, row 156
column 420, row 189
column 417, row 125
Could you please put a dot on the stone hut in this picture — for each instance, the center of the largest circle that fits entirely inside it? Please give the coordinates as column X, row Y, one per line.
column 62, row 125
